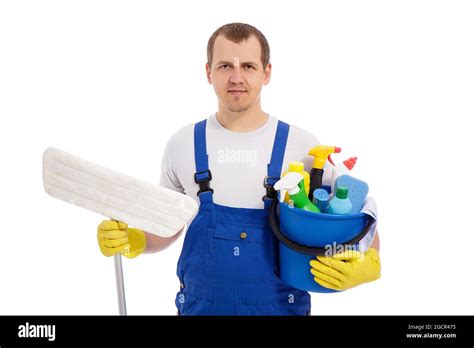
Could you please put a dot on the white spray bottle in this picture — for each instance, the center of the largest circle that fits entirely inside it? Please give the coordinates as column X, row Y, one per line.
column 343, row 168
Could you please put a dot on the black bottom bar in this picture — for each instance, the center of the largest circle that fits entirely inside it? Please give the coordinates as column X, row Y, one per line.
column 42, row 331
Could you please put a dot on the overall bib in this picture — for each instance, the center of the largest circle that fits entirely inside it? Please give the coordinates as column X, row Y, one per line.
column 228, row 264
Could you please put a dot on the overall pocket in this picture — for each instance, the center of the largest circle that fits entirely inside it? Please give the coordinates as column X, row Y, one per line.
column 241, row 252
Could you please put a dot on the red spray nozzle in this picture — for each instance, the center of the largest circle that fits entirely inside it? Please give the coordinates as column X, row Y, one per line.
column 350, row 162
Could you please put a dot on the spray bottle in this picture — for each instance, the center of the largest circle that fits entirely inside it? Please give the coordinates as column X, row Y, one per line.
column 297, row 167
column 294, row 183
column 320, row 153
column 342, row 168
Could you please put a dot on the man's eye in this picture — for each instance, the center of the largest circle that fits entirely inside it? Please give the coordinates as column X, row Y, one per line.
column 250, row 67
column 224, row 66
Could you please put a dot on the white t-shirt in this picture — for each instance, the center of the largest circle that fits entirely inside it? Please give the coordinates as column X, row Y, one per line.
column 237, row 160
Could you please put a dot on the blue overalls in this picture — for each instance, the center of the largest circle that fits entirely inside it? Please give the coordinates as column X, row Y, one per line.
column 228, row 264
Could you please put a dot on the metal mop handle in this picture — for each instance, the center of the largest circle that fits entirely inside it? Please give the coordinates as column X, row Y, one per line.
column 120, row 285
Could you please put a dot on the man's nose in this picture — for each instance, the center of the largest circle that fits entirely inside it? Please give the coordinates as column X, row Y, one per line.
column 236, row 76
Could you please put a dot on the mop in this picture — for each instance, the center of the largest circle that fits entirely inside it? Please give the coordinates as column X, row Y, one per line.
column 120, row 197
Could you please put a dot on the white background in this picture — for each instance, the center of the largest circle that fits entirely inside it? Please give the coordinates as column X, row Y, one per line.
column 389, row 81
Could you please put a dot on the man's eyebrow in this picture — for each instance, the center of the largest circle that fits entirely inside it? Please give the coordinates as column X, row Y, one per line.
column 224, row 62
column 250, row 63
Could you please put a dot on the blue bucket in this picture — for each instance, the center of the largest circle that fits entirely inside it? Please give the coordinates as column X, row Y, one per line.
column 303, row 235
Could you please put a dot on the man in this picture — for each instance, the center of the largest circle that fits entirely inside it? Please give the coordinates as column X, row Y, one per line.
column 228, row 262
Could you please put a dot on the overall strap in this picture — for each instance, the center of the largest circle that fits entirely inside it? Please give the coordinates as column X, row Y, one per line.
column 276, row 162
column 203, row 174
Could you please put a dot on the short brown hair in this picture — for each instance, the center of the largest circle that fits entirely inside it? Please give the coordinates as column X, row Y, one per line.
column 238, row 32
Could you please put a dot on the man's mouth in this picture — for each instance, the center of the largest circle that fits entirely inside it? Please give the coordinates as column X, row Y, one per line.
column 236, row 92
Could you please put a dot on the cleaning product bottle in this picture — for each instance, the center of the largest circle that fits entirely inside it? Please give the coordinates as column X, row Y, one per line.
column 297, row 167
column 294, row 183
column 321, row 199
column 340, row 203
column 343, row 168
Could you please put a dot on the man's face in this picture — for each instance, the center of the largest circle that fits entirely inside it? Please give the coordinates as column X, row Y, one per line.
column 237, row 73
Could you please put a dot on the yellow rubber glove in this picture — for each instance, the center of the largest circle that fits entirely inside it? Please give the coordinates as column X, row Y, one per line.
column 347, row 269
column 116, row 237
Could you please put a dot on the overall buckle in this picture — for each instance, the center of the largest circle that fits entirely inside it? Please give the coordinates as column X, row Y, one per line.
column 203, row 178
column 268, row 183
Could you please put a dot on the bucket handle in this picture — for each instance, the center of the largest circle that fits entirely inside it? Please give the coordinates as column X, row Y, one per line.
column 304, row 249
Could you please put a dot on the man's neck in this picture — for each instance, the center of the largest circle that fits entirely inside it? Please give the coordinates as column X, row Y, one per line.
column 245, row 121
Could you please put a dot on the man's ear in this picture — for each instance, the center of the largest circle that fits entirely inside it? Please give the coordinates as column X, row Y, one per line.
column 208, row 73
column 267, row 74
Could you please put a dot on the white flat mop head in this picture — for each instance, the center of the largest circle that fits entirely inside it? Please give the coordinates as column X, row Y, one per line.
column 140, row 204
